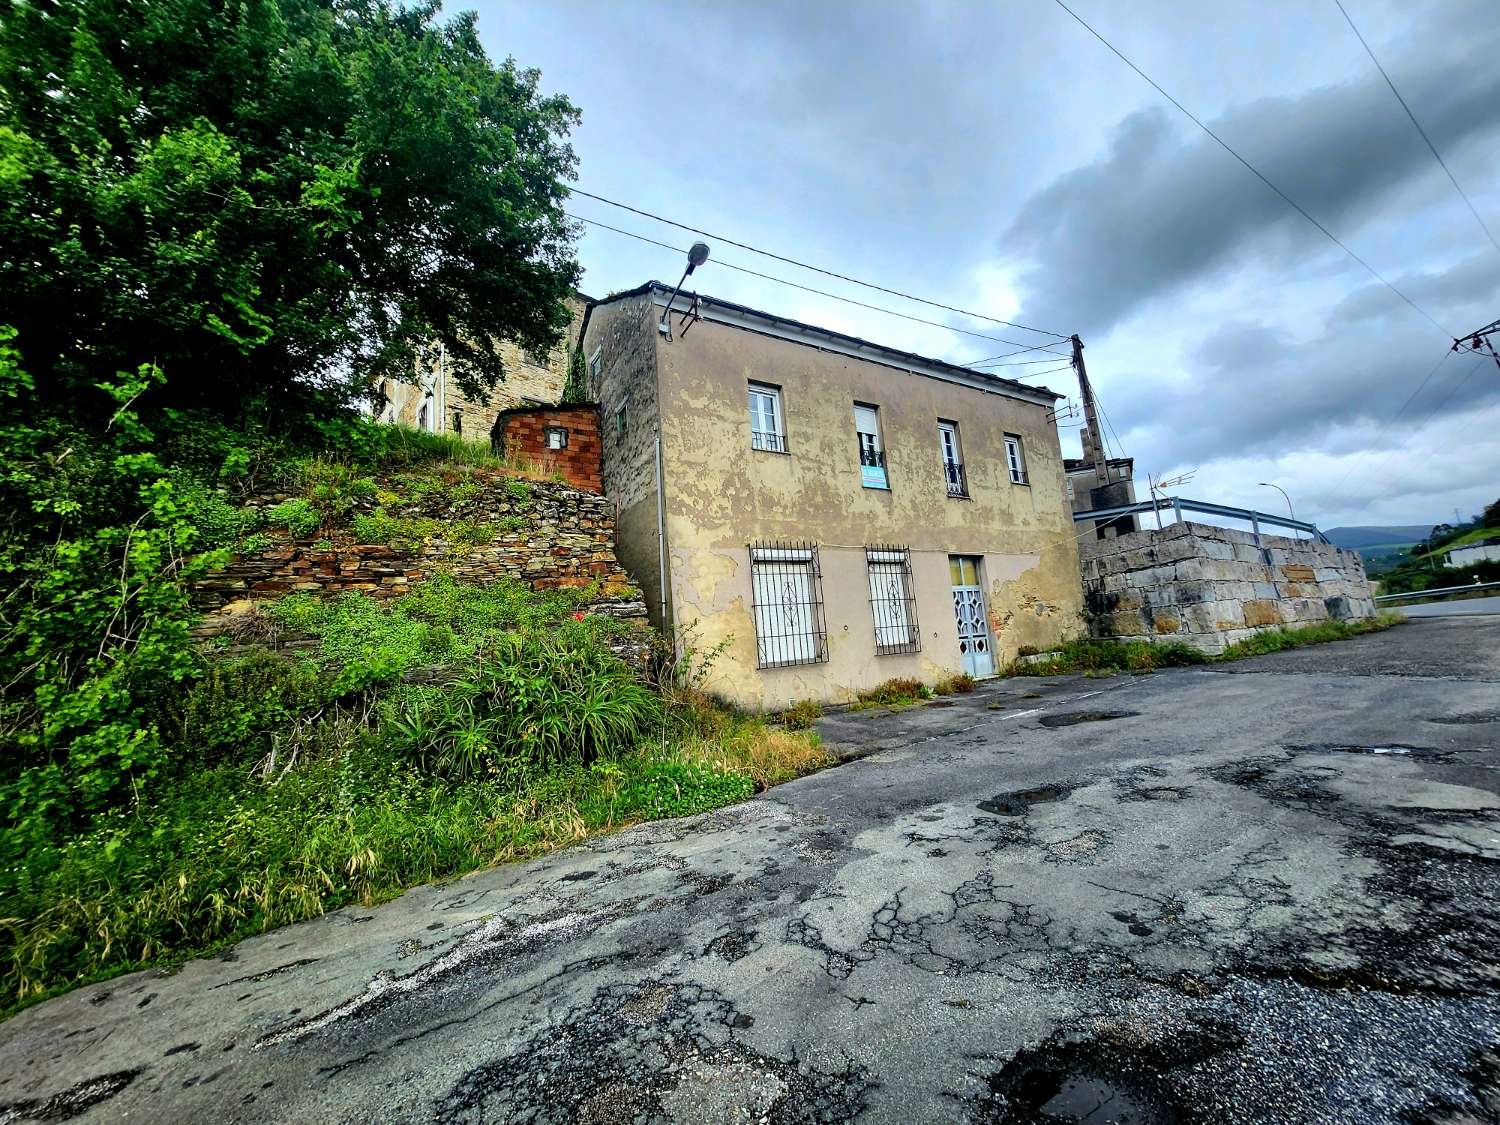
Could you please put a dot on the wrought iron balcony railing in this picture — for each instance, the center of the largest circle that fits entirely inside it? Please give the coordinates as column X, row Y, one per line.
column 958, row 483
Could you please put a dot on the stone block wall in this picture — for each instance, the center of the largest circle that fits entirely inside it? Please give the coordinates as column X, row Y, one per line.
column 554, row 536
column 530, row 380
column 1212, row 586
column 523, row 433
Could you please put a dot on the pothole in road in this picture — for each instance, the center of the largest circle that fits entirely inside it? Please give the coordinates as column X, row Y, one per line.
column 1110, row 1080
column 1072, row 718
column 1017, row 803
column 1395, row 750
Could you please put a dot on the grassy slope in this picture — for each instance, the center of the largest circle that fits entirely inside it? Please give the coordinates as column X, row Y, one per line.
column 355, row 808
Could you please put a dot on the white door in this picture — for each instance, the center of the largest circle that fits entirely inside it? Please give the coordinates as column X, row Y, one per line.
column 974, row 644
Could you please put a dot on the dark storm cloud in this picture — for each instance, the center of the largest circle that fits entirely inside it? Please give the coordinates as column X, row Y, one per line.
column 1255, row 389
column 1166, row 206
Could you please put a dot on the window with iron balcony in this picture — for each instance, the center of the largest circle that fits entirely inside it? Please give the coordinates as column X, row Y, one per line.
column 871, row 450
column 953, row 465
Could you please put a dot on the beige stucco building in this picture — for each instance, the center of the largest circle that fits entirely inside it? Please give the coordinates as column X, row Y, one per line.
column 833, row 512
column 434, row 402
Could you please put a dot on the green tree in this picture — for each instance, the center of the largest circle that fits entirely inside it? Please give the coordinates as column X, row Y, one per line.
column 259, row 195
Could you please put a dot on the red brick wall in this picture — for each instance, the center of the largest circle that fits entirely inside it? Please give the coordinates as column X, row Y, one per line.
column 523, row 434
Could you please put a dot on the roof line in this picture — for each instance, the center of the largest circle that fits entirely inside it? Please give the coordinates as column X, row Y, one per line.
column 968, row 373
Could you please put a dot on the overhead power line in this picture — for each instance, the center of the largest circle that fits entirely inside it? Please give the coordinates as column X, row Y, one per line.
column 815, row 269
column 1392, row 420
column 1443, row 164
column 805, row 288
column 1253, row 170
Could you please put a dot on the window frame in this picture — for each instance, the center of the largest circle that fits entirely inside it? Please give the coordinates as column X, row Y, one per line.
column 622, row 418
column 894, row 562
column 596, row 363
column 954, row 478
column 796, row 564
column 773, row 440
column 872, row 460
column 1015, row 459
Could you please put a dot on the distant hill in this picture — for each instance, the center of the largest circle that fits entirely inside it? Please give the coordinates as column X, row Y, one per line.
column 1356, row 537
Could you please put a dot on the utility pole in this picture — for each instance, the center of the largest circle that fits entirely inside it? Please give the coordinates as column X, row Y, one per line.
column 1091, row 417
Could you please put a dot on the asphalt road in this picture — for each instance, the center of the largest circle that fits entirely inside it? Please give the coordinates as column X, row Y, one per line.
column 1259, row 892
column 1468, row 607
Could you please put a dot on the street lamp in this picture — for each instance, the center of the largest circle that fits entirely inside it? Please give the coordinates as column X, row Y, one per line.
column 697, row 255
column 1288, row 499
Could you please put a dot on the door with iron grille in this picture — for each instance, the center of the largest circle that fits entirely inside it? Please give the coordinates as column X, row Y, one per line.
column 974, row 643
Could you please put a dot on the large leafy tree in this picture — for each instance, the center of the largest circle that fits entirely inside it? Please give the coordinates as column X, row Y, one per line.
column 258, row 195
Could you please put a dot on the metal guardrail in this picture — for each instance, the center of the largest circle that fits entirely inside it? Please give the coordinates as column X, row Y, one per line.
column 1435, row 593
column 1177, row 505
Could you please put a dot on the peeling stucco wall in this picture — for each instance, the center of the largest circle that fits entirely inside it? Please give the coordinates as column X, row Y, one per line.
column 721, row 495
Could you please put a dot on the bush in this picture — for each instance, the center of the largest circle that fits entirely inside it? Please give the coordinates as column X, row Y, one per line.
column 802, row 715
column 671, row 789
column 299, row 518
column 530, row 704
column 898, row 692
column 1096, row 655
column 961, row 684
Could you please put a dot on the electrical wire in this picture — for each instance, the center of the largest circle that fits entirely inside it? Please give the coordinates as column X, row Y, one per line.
column 1443, row 164
column 1392, row 420
column 815, row 269
column 1463, row 382
column 794, row 285
column 1021, row 351
column 1051, row 358
column 1256, row 172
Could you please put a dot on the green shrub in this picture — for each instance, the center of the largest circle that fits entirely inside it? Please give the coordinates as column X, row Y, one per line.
column 802, row 714
column 298, row 516
column 529, row 704
column 671, row 789
column 961, row 684
column 897, row 692
column 408, row 533
column 1102, row 655
column 237, row 702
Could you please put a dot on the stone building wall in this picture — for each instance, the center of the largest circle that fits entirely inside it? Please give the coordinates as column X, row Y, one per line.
column 525, row 433
column 619, row 344
column 530, row 380
column 1212, row 586
column 553, row 536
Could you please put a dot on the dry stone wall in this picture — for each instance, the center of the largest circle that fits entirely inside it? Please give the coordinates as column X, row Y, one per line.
column 541, row 533
column 1212, row 586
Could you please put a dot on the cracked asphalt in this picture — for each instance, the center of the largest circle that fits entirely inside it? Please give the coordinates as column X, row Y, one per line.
column 1254, row 892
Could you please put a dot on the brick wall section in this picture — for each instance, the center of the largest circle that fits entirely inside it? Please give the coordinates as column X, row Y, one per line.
column 523, row 433
column 1212, row 586
column 567, row 541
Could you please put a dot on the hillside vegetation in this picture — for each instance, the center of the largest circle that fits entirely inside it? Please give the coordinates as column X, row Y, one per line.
column 1428, row 568
column 223, row 226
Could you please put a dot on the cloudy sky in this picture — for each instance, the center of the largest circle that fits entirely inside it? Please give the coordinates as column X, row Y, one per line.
column 997, row 158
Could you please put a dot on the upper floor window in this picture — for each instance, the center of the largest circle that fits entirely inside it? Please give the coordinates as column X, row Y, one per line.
column 621, row 419
column 767, row 430
column 871, row 449
column 953, row 462
column 596, row 364
column 1015, row 459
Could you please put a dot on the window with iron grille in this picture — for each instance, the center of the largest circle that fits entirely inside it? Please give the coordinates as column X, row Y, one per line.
column 786, row 587
column 767, row 431
column 893, row 600
column 1015, row 459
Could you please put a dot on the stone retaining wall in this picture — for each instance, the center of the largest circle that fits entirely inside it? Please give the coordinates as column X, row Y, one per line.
column 1212, row 586
column 551, row 537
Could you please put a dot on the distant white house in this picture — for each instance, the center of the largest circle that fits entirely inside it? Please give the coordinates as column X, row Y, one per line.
column 1484, row 550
